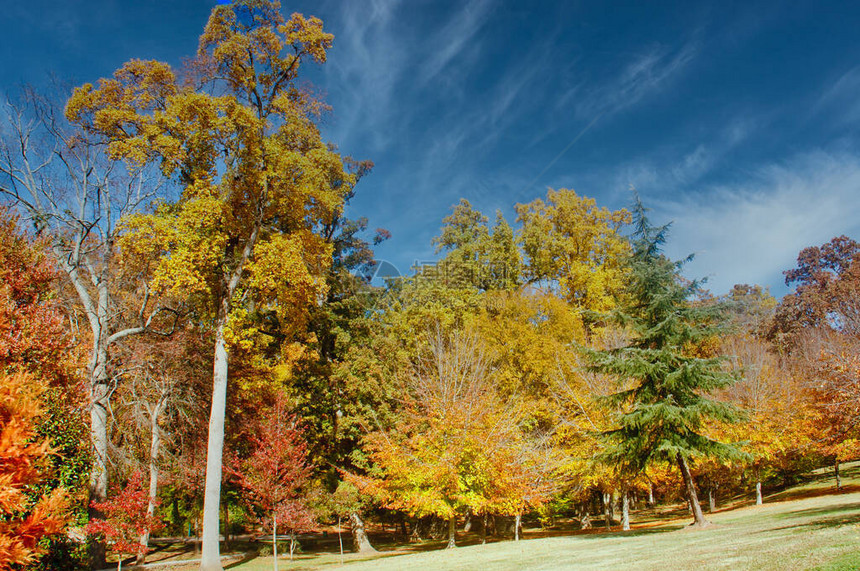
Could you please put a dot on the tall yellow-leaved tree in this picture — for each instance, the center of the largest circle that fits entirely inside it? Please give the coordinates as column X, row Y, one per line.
column 256, row 177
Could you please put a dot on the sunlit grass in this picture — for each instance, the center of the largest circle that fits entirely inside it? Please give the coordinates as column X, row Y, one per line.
column 809, row 526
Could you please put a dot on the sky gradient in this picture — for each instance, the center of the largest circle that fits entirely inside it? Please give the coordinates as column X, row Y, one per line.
column 738, row 122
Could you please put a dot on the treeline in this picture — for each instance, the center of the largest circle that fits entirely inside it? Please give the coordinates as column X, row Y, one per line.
column 175, row 250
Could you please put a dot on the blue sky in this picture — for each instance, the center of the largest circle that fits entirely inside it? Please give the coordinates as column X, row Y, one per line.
column 739, row 122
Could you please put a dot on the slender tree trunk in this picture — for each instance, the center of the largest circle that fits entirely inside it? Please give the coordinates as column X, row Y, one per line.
column 360, row 541
column 700, row 520
column 484, row 529
column 838, row 477
column 650, row 494
column 625, row 511
column 340, row 539
column 154, row 448
column 758, row 498
column 612, row 506
column 211, row 557
column 275, row 541
column 292, row 544
column 467, row 527
column 712, row 500
column 607, row 499
column 518, row 523
column 452, row 532
column 404, row 531
column 226, row 506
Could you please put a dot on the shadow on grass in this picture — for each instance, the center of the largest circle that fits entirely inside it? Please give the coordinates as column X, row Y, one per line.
column 248, row 556
column 802, row 494
column 811, row 512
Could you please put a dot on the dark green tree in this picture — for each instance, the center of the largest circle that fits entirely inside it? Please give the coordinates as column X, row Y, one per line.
column 664, row 406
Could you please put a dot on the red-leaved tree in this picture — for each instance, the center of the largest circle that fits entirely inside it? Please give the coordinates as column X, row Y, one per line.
column 275, row 474
column 127, row 519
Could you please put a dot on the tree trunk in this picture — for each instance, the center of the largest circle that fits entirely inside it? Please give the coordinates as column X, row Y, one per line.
column 650, row 494
column 712, row 500
column 607, row 500
column 467, row 527
column 360, row 541
column 484, row 529
column 838, row 477
column 758, row 499
column 518, row 523
column 584, row 517
column 452, row 532
column 275, row 541
column 340, row 539
column 612, row 506
column 292, row 544
column 699, row 517
column 625, row 511
column 211, row 557
column 99, row 395
column 404, row 531
column 154, row 448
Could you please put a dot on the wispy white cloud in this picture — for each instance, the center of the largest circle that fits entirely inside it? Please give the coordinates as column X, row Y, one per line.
column 843, row 96
column 674, row 168
column 455, row 39
column 369, row 63
column 640, row 77
column 752, row 231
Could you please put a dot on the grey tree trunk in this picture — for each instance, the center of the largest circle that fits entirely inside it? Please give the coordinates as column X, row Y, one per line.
column 699, row 517
column 211, row 556
column 452, row 533
column 607, row 518
column 625, row 511
column 292, row 544
column 99, row 393
column 518, row 524
column 154, row 448
column 712, row 499
column 340, row 539
column 584, row 518
column 758, row 498
column 838, row 477
column 650, row 494
column 360, row 541
column 275, row 541
column 467, row 527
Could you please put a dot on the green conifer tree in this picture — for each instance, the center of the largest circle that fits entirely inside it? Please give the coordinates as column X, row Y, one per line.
column 664, row 405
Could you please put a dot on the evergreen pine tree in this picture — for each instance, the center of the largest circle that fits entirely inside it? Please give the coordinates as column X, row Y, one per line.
column 661, row 414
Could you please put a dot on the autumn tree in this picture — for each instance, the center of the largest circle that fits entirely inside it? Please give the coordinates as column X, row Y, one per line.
column 159, row 403
column 127, row 518
column 477, row 254
column 22, row 465
column 661, row 417
column 576, row 246
column 38, row 363
column 457, row 447
column 817, row 326
column 827, row 284
column 275, row 474
column 63, row 181
column 257, row 178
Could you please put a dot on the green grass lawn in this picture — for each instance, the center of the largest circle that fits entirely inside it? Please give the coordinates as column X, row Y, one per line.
column 806, row 527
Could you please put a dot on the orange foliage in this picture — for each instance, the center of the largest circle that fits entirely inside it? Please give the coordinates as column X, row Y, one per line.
column 22, row 464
